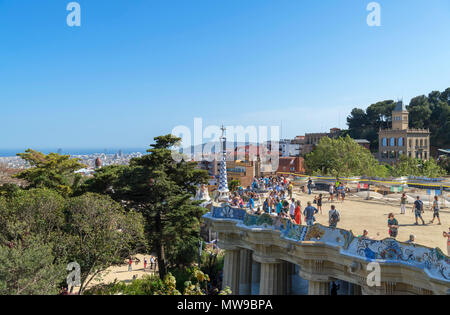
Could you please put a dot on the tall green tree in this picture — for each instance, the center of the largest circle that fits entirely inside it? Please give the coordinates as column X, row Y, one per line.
column 52, row 171
column 101, row 234
column 161, row 188
column 32, row 242
column 425, row 112
column 342, row 157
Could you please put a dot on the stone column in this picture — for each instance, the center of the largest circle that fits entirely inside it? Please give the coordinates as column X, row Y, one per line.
column 245, row 272
column 256, row 277
column 318, row 288
column 231, row 270
column 273, row 275
column 270, row 279
column 290, row 270
column 282, row 278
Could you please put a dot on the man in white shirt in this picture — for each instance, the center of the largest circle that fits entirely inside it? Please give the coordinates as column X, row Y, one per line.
column 292, row 209
column 331, row 190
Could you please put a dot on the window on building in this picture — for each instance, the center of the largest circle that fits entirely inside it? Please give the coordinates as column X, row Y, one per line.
column 400, row 142
column 384, row 142
column 421, row 142
column 400, row 153
column 392, row 142
column 392, row 155
column 410, row 143
column 384, row 155
column 417, row 142
column 425, row 142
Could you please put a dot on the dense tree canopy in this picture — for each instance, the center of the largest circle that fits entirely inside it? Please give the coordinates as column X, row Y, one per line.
column 161, row 189
column 41, row 232
column 342, row 157
column 52, row 171
column 429, row 112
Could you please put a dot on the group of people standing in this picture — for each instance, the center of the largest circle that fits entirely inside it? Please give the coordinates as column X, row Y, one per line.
column 339, row 189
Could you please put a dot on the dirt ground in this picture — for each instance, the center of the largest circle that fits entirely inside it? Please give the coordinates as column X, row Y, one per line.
column 121, row 273
column 358, row 214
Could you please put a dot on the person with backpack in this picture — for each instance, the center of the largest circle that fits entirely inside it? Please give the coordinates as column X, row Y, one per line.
column 333, row 217
column 418, row 210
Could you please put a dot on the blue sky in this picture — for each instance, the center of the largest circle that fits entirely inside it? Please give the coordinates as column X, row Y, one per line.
column 136, row 69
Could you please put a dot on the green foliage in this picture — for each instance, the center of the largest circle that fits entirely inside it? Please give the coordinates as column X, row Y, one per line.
column 416, row 167
column 161, row 189
column 234, row 184
column 196, row 284
column 429, row 112
column 366, row 124
column 444, row 163
column 28, row 267
column 147, row 285
column 41, row 232
column 102, row 234
column 31, row 242
column 342, row 157
column 52, row 171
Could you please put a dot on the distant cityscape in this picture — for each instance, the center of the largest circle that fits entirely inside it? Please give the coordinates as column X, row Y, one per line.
column 90, row 158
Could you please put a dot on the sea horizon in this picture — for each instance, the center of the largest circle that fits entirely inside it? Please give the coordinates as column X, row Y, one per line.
column 74, row 151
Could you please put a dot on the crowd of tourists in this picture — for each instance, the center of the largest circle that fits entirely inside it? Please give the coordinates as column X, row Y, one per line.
column 278, row 200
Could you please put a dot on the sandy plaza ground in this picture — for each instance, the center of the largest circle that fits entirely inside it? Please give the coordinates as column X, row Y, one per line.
column 358, row 214
column 121, row 273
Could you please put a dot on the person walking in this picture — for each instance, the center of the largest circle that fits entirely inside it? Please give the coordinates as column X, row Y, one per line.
column 393, row 225
column 309, row 186
column 309, row 213
column 130, row 264
column 436, row 210
column 343, row 188
column 403, row 201
column 418, row 210
column 331, row 191
column 152, row 262
column 333, row 217
column 319, row 202
column 145, row 263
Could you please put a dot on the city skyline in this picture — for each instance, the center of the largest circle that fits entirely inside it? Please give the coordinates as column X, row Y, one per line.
column 130, row 73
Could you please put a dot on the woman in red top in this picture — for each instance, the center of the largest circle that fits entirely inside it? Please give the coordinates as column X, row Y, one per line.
column 298, row 213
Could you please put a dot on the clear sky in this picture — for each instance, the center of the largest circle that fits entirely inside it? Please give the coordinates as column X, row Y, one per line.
column 136, row 69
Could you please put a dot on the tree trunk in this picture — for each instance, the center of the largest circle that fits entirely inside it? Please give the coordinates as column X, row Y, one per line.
column 160, row 248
